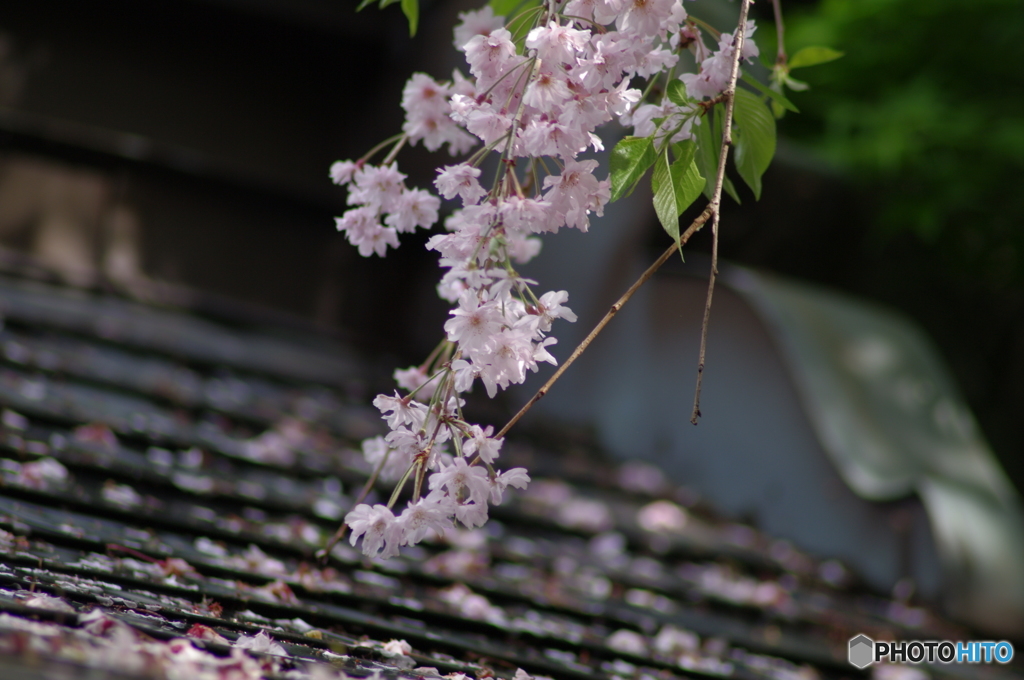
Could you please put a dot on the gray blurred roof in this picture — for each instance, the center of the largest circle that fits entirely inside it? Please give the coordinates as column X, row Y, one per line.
column 168, row 477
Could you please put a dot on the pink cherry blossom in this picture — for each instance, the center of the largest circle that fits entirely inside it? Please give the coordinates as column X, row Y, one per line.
column 460, row 180
column 431, row 513
column 481, row 443
column 462, row 481
column 378, row 528
column 516, row 477
column 556, row 43
column 402, row 410
column 414, row 208
column 379, row 187
column 473, row 23
column 473, row 323
column 572, row 71
column 342, row 171
column 489, row 56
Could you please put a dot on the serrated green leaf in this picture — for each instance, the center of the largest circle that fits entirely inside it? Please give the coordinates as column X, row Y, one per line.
column 812, row 56
column 676, row 92
column 690, row 186
column 676, row 186
column 628, row 162
column 686, row 175
column 754, row 138
column 665, row 195
column 411, row 10
column 777, row 97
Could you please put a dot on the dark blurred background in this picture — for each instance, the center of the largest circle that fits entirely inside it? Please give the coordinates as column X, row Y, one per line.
column 189, row 142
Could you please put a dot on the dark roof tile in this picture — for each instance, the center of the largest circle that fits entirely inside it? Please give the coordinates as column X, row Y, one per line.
column 166, row 481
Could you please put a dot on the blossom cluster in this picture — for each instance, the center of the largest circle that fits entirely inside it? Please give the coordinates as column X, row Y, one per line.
column 539, row 87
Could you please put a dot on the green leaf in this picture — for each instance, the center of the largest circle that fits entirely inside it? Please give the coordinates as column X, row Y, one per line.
column 676, row 186
column 812, row 56
column 754, row 138
column 731, row 190
column 629, row 161
column 665, row 195
column 707, row 153
column 686, row 175
column 777, row 97
column 676, row 92
column 709, row 142
column 362, row 5
column 507, row 7
column 411, row 10
column 386, row 3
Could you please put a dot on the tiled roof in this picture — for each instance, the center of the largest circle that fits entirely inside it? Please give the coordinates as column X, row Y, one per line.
column 167, row 479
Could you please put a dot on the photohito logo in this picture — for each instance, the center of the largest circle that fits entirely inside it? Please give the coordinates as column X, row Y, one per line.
column 864, row 651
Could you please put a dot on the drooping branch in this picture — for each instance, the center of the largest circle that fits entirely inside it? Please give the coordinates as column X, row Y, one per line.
column 716, row 197
column 683, row 238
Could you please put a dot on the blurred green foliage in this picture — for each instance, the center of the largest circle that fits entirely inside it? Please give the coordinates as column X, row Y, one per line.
column 926, row 113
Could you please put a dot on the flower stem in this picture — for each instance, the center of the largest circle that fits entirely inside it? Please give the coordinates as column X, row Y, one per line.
column 390, row 140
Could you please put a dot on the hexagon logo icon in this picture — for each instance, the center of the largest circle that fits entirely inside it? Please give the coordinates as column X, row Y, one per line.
column 862, row 651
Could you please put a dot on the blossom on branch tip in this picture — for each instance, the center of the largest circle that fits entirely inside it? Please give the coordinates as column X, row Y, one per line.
column 516, row 477
column 377, row 186
column 414, row 208
column 473, row 323
column 476, row 22
column 426, row 514
column 378, row 528
column 575, row 192
column 556, row 43
column 462, row 481
column 342, row 171
column 481, row 443
column 425, row 102
column 404, row 411
column 460, row 180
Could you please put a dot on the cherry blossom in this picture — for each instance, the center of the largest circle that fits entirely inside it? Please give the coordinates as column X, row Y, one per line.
column 481, row 443
column 461, row 181
column 426, row 514
column 460, row 479
column 377, row 526
column 539, row 88
column 473, row 23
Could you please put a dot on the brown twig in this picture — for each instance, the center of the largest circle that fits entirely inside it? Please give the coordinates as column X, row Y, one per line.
column 780, row 33
column 716, row 197
column 683, row 238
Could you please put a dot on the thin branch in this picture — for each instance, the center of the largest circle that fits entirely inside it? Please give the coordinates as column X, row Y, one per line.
column 780, row 33
column 683, row 238
column 716, row 198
